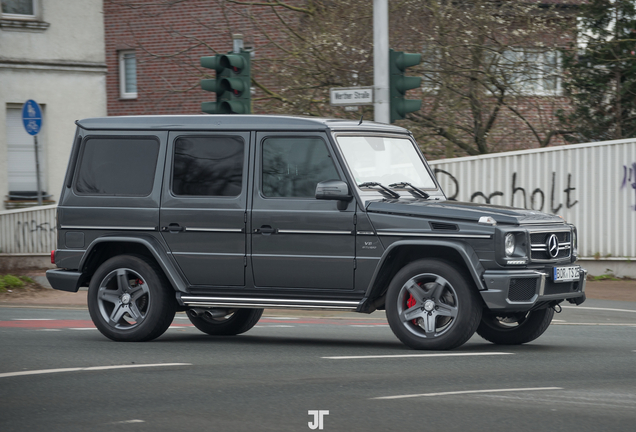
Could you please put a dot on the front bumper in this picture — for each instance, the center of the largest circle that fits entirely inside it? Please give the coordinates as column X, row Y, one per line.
column 521, row 290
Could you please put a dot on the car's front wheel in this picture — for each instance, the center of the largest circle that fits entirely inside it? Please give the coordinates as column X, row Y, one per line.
column 129, row 299
column 431, row 304
column 515, row 329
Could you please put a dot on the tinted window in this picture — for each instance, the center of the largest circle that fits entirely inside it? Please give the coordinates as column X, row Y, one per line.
column 292, row 167
column 117, row 166
column 208, row 166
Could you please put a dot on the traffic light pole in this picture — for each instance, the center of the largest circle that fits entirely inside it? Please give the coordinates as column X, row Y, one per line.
column 381, row 97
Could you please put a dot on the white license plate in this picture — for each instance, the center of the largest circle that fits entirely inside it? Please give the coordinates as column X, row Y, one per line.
column 566, row 274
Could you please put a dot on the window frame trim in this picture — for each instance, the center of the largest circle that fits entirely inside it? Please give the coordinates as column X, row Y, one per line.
column 123, row 94
column 23, row 17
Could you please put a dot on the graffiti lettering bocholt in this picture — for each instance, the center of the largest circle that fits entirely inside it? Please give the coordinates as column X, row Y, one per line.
column 518, row 195
column 629, row 179
column 33, row 234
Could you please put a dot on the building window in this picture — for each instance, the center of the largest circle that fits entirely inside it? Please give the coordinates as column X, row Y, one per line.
column 18, row 9
column 127, row 75
column 530, row 72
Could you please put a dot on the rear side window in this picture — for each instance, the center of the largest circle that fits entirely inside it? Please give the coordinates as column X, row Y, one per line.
column 292, row 167
column 118, row 166
column 208, row 166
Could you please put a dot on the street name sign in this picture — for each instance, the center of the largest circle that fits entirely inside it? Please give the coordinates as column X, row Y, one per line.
column 343, row 96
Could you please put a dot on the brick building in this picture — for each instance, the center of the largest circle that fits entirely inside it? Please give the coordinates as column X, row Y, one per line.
column 153, row 51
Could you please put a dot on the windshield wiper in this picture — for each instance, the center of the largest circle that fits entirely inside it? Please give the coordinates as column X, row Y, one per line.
column 386, row 189
column 405, row 185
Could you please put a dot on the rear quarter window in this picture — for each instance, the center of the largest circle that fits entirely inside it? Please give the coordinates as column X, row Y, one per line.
column 117, row 166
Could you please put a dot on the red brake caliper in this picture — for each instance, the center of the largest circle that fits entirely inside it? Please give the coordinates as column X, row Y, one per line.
column 410, row 302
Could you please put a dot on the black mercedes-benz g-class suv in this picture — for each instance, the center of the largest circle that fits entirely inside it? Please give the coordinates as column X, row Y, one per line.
column 223, row 216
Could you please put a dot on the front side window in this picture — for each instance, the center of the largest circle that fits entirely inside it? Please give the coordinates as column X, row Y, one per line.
column 292, row 167
column 127, row 74
column 385, row 160
column 208, row 166
column 117, row 166
column 18, row 9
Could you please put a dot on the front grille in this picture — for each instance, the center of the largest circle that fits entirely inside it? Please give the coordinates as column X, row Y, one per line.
column 522, row 289
column 539, row 243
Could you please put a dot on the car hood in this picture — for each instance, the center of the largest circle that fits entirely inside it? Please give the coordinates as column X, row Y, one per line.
column 464, row 211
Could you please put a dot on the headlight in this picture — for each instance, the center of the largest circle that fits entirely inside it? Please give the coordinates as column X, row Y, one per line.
column 509, row 244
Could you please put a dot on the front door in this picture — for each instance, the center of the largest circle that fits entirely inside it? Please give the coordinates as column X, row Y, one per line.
column 297, row 240
column 203, row 210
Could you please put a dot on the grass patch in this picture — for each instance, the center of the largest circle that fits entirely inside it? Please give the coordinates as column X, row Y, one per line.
column 8, row 282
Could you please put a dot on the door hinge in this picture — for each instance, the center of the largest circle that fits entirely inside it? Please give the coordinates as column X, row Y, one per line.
column 355, row 219
column 355, row 264
column 244, row 261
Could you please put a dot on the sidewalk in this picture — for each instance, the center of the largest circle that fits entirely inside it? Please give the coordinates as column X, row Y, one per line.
column 45, row 296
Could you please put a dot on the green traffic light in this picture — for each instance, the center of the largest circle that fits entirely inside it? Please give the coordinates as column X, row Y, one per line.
column 232, row 83
column 399, row 84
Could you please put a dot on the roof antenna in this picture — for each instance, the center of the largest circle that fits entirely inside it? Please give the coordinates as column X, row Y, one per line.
column 361, row 117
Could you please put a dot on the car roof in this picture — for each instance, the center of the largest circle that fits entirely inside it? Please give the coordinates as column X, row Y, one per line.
column 233, row 122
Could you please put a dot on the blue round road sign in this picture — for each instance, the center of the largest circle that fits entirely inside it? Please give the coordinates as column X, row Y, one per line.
column 32, row 117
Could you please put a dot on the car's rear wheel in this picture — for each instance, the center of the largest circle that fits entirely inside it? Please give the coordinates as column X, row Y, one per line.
column 515, row 329
column 225, row 322
column 432, row 305
column 129, row 299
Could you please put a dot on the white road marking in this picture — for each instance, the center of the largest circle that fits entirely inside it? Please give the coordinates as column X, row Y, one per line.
column 281, row 318
column 48, row 330
column 129, row 421
column 368, row 325
column 274, row 326
column 34, row 319
column 599, row 309
column 92, row 368
column 82, row 328
column 415, row 355
column 469, row 392
column 597, row 324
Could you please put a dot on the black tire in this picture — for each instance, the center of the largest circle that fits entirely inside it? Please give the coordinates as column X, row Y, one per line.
column 236, row 321
column 130, row 300
column 515, row 329
column 432, row 305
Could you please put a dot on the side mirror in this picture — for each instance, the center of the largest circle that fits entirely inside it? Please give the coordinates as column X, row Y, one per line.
column 335, row 190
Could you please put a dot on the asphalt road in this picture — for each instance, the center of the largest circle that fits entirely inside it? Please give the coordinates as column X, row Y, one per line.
column 57, row 373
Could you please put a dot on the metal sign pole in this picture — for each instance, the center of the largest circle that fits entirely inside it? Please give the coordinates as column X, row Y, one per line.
column 37, row 169
column 32, row 121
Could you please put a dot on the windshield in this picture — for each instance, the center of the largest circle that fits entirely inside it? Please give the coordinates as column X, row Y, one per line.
column 385, row 160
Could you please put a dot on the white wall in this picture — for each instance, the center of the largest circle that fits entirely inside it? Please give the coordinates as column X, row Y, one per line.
column 62, row 68
column 590, row 185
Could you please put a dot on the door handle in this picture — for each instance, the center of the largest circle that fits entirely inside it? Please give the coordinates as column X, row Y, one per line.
column 173, row 228
column 265, row 229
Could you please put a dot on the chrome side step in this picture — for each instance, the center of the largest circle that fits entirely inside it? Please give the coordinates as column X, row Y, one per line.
column 238, row 302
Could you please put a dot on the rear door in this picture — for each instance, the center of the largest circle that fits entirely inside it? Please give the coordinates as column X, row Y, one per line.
column 203, row 210
column 297, row 240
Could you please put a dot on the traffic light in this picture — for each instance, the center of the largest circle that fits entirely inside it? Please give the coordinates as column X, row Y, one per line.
column 232, row 83
column 399, row 84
